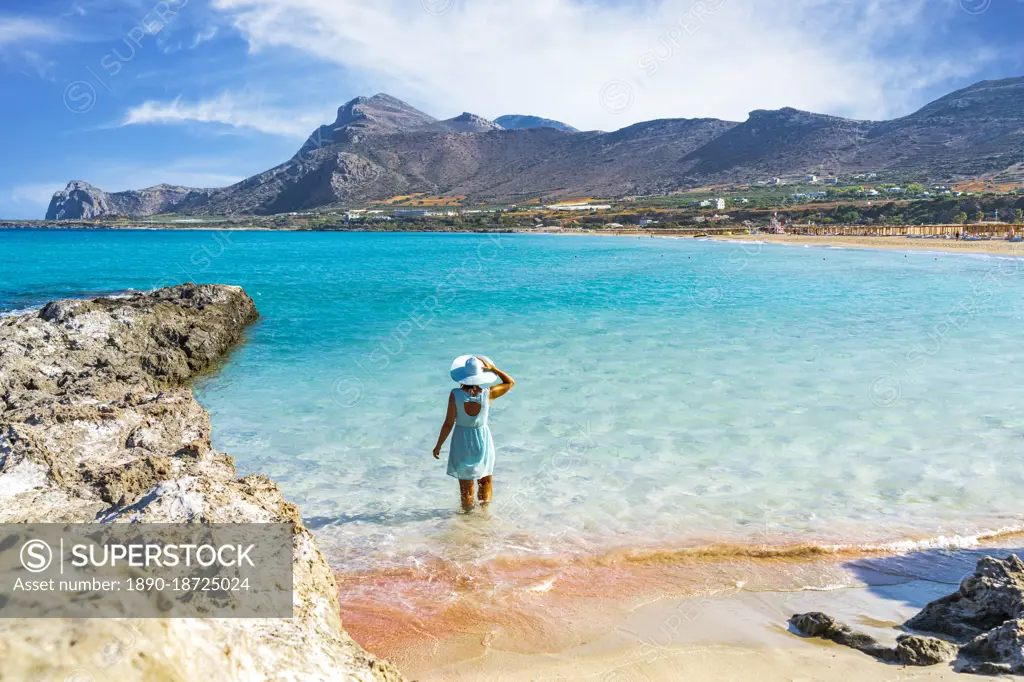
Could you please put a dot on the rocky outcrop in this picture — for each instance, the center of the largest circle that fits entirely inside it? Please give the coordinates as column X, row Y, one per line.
column 81, row 201
column 96, row 425
column 982, row 622
column 909, row 649
column 990, row 597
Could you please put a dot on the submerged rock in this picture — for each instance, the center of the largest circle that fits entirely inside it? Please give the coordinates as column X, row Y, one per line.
column 984, row 618
column 96, row 425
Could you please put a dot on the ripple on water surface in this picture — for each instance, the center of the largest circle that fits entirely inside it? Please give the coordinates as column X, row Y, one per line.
column 671, row 393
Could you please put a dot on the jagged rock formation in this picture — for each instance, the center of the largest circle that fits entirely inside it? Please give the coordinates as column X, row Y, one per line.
column 464, row 123
column 379, row 147
column 982, row 623
column 96, row 425
column 80, row 200
column 524, row 121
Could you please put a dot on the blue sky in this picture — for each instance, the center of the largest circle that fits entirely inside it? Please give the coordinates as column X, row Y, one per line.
column 130, row 93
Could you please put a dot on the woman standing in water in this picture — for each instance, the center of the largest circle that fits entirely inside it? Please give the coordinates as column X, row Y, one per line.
column 471, row 454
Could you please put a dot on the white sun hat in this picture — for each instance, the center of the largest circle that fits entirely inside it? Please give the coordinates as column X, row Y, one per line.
column 468, row 370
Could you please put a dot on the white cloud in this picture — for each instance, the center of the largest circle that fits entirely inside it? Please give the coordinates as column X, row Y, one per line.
column 208, row 33
column 229, row 109
column 19, row 30
column 676, row 58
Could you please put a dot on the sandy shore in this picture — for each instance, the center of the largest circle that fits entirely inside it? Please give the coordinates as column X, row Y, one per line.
column 742, row 637
column 735, row 631
column 999, row 247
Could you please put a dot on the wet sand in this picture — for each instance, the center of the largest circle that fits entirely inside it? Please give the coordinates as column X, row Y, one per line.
column 742, row 637
column 663, row 618
column 998, row 247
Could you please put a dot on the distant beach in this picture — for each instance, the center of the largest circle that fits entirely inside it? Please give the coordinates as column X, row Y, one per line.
column 990, row 246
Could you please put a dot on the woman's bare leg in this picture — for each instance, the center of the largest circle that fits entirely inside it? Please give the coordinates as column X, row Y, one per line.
column 466, row 490
column 485, row 489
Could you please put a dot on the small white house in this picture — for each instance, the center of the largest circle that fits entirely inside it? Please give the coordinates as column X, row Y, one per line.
column 720, row 204
column 832, row 181
column 895, row 190
column 811, row 178
column 797, row 197
column 644, row 222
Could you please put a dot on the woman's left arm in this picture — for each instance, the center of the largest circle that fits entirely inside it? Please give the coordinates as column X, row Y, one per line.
column 506, row 384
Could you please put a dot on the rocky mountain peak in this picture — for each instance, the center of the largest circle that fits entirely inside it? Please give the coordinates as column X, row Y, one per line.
column 81, row 201
column 465, row 122
column 380, row 112
column 523, row 121
column 77, row 185
column 791, row 116
column 998, row 97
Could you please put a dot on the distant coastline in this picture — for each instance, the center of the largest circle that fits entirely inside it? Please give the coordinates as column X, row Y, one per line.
column 936, row 243
column 997, row 247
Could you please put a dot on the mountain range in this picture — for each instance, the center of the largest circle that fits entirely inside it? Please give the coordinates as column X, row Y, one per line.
column 379, row 147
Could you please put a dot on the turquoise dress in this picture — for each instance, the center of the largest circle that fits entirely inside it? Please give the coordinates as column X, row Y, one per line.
column 471, row 453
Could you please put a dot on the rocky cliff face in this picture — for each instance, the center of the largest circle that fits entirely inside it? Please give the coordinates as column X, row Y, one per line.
column 379, row 147
column 97, row 426
column 81, row 201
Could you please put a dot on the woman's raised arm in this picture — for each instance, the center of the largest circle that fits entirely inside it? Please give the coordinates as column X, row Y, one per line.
column 506, row 384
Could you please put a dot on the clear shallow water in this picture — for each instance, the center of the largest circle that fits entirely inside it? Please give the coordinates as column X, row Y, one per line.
column 671, row 392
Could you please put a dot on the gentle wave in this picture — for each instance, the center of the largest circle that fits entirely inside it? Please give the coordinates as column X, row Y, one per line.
column 18, row 312
column 30, row 310
column 549, row 604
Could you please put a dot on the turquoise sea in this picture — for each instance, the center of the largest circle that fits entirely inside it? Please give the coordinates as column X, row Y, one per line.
column 670, row 392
